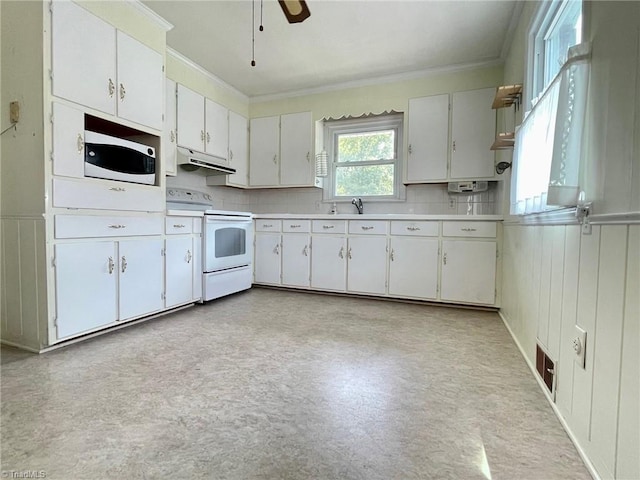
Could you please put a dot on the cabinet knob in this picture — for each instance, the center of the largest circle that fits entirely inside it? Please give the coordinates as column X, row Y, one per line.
column 112, row 88
column 80, row 143
column 123, row 92
column 124, row 264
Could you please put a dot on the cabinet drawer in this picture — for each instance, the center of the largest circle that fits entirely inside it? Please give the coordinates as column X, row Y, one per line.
column 368, row 227
column 177, row 225
column 329, row 226
column 87, row 226
column 299, row 226
column 469, row 229
column 417, row 229
column 102, row 196
column 268, row 225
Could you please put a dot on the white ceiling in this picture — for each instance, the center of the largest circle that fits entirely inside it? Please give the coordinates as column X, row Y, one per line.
column 342, row 41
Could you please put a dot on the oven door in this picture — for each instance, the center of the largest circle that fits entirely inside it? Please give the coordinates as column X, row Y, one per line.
column 228, row 242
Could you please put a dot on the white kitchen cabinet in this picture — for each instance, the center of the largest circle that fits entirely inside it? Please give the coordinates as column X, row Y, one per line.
column 140, row 82
column 68, row 141
column 329, row 262
column 120, row 76
column 367, row 264
column 238, row 154
column 280, row 151
column 82, row 42
column 190, row 119
column 86, row 286
column 140, row 277
column 178, row 270
column 428, row 134
column 473, row 130
column 413, row 267
column 216, row 130
column 267, row 263
column 296, row 167
column 264, row 151
column 169, row 150
column 296, row 259
column 468, row 271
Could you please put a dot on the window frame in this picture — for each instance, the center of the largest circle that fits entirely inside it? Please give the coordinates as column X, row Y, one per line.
column 372, row 123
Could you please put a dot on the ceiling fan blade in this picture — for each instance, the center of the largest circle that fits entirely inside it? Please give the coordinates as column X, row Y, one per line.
column 296, row 11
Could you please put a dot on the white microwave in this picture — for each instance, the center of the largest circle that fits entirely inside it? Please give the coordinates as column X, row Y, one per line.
column 115, row 158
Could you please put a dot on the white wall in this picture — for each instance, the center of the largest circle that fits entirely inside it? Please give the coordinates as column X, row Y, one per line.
column 555, row 278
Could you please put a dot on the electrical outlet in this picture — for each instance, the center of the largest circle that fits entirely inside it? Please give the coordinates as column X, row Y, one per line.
column 579, row 345
column 14, row 112
column 453, row 204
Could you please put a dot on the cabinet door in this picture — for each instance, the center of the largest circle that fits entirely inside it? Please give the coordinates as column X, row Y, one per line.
column 178, row 271
column 296, row 167
column 197, row 267
column 238, row 149
column 86, row 282
column 190, row 119
column 140, row 277
column 468, row 271
column 264, row 142
column 296, row 260
column 367, row 266
column 169, row 133
column 267, row 258
column 428, row 138
column 473, row 130
column 83, row 57
column 413, row 267
column 140, row 82
column 329, row 263
column 68, row 141
column 216, row 130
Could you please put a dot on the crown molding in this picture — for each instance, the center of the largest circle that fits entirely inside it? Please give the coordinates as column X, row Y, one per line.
column 396, row 77
column 218, row 81
column 147, row 12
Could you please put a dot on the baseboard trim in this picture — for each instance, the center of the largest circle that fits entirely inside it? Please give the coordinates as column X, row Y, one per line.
column 545, row 391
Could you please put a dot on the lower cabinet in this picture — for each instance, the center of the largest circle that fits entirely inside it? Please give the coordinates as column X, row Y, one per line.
column 413, row 267
column 468, row 271
column 329, row 263
column 367, row 265
column 179, row 266
column 267, row 268
column 296, row 260
column 100, row 282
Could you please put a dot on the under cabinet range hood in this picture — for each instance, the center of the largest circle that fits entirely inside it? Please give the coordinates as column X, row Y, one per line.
column 192, row 160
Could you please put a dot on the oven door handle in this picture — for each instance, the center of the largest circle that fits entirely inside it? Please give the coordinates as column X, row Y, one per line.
column 211, row 219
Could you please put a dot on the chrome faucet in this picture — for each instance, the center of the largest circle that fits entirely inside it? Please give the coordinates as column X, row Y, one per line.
column 358, row 204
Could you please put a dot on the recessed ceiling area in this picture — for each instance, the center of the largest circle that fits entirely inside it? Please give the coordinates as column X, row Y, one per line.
column 342, row 41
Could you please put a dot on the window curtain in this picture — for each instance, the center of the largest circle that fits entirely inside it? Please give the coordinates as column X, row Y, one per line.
column 547, row 153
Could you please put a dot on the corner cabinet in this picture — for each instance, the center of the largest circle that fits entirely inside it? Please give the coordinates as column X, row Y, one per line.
column 436, row 153
column 280, row 151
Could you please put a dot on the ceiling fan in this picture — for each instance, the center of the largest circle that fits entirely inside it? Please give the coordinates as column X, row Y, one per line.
column 296, row 11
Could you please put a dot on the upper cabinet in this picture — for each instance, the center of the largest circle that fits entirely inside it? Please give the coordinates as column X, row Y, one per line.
column 437, row 154
column 473, row 130
column 238, row 154
column 95, row 65
column 280, row 151
column 203, row 125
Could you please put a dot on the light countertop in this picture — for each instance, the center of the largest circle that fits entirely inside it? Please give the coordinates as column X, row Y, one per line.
column 379, row 216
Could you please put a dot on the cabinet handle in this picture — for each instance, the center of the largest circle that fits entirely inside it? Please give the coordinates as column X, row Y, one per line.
column 326, row 227
column 80, row 143
column 305, row 251
column 124, row 264
column 117, row 226
column 180, row 225
column 123, row 92
column 277, row 249
column 413, row 229
column 468, row 229
column 444, row 258
column 208, row 138
column 172, row 136
column 454, row 145
column 275, row 159
column 295, row 226
column 264, row 225
column 365, row 227
column 202, row 135
column 392, row 255
column 341, row 252
column 308, row 156
column 112, row 88
column 230, row 154
column 189, row 256
column 111, row 265
column 117, row 189
column 410, row 150
column 349, row 253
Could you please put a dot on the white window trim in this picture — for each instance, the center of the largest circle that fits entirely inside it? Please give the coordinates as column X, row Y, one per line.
column 392, row 121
